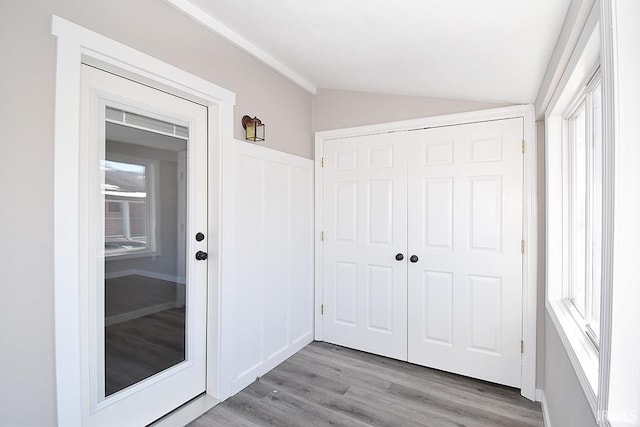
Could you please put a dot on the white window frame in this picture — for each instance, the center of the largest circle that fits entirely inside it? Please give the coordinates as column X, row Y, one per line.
column 585, row 358
column 583, row 102
column 153, row 212
column 570, row 176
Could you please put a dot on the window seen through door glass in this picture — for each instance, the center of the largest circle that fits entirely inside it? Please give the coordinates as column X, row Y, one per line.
column 127, row 203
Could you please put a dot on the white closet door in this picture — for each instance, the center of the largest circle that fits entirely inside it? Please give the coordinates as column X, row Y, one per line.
column 365, row 217
column 465, row 227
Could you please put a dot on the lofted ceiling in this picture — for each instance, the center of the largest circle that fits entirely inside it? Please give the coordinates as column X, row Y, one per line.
column 485, row 50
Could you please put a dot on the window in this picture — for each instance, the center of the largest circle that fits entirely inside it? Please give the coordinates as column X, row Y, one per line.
column 583, row 175
column 129, row 216
column 576, row 186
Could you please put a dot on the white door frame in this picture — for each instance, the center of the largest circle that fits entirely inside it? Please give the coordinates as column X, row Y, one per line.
column 75, row 45
column 529, row 225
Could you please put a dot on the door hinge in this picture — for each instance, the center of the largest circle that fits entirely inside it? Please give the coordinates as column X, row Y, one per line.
column 524, row 145
column 322, row 236
column 321, row 308
column 522, row 246
column 322, row 162
column 521, row 346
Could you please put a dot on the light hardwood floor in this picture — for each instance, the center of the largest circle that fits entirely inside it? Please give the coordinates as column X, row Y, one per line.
column 142, row 347
column 134, row 292
column 326, row 385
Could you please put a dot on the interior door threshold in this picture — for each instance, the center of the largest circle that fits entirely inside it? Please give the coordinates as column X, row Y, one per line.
column 188, row 412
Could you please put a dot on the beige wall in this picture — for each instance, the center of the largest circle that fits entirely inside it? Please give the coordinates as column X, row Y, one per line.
column 27, row 66
column 335, row 109
column 566, row 404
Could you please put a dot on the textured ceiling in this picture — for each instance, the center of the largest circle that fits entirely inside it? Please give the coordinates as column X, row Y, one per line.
column 489, row 50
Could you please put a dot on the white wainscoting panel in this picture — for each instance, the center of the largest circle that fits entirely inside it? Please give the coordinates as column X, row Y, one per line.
column 268, row 308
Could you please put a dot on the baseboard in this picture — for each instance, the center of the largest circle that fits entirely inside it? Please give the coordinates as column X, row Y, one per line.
column 545, row 409
column 259, row 370
column 539, row 395
column 145, row 273
column 124, row 317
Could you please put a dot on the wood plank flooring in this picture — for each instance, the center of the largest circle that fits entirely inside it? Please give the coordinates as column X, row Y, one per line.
column 134, row 292
column 142, row 347
column 328, row 385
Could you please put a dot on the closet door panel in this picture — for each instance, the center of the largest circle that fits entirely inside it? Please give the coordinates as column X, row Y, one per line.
column 465, row 228
column 365, row 227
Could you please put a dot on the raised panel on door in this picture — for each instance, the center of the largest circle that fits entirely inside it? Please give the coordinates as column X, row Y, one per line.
column 364, row 214
column 465, row 216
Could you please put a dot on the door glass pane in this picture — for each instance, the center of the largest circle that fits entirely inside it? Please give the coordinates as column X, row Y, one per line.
column 144, row 192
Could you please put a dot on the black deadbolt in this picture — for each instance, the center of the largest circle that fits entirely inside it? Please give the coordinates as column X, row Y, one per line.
column 414, row 258
column 199, row 236
column 399, row 257
column 201, row 255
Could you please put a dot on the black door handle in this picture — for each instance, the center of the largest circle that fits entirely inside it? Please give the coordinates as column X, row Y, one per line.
column 414, row 258
column 399, row 257
column 201, row 255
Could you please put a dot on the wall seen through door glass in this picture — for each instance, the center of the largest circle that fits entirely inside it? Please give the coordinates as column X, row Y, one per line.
column 144, row 192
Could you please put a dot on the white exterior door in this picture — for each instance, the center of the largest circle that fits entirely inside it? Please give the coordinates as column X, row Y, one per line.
column 365, row 217
column 465, row 227
column 449, row 200
column 143, row 219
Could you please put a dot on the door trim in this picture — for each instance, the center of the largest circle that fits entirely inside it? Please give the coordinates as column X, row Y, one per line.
column 529, row 225
column 76, row 45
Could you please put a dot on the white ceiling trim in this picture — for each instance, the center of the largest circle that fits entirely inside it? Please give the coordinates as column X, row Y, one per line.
column 219, row 28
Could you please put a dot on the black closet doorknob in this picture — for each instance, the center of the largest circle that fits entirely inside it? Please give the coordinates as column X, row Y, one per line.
column 414, row 258
column 201, row 255
column 399, row 257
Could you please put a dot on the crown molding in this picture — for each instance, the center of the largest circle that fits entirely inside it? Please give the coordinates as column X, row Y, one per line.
column 197, row 14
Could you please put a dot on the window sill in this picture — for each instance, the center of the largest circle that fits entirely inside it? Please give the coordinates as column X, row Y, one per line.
column 131, row 255
column 581, row 351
